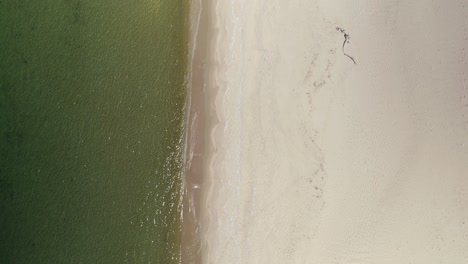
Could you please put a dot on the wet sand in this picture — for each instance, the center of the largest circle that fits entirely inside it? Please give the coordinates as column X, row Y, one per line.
column 197, row 127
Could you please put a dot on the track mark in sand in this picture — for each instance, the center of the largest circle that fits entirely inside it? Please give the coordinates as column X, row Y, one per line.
column 316, row 171
column 346, row 40
column 318, row 76
column 310, row 72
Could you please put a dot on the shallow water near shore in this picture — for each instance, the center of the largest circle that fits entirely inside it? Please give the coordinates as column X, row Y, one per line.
column 92, row 99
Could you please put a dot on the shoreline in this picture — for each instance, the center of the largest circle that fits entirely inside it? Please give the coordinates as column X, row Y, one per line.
column 197, row 125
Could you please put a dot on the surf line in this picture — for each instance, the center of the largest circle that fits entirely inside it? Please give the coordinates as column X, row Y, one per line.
column 346, row 40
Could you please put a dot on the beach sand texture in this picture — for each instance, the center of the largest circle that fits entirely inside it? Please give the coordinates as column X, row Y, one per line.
column 317, row 159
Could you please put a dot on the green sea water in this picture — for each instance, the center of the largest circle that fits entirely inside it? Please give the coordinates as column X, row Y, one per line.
column 92, row 97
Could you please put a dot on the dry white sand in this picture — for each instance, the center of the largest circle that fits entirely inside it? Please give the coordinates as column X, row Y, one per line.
column 319, row 160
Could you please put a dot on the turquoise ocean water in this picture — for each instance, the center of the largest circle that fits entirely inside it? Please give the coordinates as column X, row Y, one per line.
column 92, row 100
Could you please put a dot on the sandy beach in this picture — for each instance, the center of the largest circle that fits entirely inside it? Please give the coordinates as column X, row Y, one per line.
column 336, row 132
